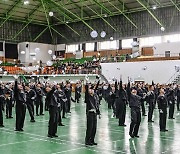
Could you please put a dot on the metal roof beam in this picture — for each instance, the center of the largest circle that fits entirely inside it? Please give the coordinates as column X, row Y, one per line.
column 8, row 15
column 18, row 33
column 33, row 11
column 81, row 19
column 101, row 18
column 176, row 6
column 67, row 25
column 120, row 11
column 47, row 18
column 150, row 12
column 80, row 7
column 40, row 34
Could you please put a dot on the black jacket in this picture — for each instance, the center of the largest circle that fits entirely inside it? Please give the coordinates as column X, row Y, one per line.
column 162, row 103
column 30, row 96
column 92, row 102
column 134, row 100
column 19, row 96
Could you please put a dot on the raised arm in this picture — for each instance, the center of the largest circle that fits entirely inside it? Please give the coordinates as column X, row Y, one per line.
column 97, row 85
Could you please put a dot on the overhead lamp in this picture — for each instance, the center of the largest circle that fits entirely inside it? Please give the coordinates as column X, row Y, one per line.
column 154, row 7
column 162, row 29
column 26, row 2
column 111, row 38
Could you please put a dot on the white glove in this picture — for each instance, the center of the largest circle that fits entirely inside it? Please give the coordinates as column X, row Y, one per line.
column 161, row 111
column 87, row 78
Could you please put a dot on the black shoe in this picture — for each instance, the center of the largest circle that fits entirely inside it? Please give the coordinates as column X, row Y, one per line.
column 32, row 121
column 10, row 117
column 171, row 118
column 17, row 130
column 37, row 114
column 88, row 144
column 55, row 135
column 166, row 130
column 64, row 117
column 42, row 114
column 137, row 136
column 1, row 125
column 21, row 130
column 61, row 125
column 7, row 117
column 94, row 143
column 132, row 136
column 122, row 125
column 150, row 121
column 50, row 136
column 144, row 115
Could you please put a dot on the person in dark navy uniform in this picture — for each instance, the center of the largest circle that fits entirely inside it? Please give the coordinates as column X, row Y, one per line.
column 39, row 99
column 171, row 101
column 121, row 102
column 92, row 110
column 135, row 105
column 77, row 92
column 150, row 98
column 53, row 111
column 30, row 97
column 162, row 106
column 20, row 98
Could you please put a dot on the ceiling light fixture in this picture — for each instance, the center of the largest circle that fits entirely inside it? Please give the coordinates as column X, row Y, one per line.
column 154, row 7
column 26, row 2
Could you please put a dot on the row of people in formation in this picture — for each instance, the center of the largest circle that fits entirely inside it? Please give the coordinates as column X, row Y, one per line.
column 118, row 96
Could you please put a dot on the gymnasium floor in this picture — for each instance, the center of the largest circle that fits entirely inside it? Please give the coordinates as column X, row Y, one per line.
column 111, row 138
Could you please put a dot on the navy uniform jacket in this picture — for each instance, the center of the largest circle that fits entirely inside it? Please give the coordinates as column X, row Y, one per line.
column 162, row 103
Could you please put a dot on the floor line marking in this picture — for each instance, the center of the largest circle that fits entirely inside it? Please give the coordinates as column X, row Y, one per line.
column 68, row 150
column 61, row 140
column 19, row 142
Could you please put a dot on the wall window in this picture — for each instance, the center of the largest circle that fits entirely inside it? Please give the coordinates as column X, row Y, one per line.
column 106, row 45
column 71, row 48
column 90, row 46
column 127, row 43
column 171, row 38
column 150, row 41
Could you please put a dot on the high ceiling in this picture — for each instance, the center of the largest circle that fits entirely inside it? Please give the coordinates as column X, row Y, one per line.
column 67, row 11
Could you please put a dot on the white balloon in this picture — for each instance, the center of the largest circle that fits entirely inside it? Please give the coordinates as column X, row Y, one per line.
column 51, row 14
column 50, row 52
column 23, row 52
column 49, row 63
column 94, row 34
column 103, row 34
column 37, row 49
column 54, row 57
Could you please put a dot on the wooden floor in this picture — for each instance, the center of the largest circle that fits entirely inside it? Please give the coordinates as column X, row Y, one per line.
column 111, row 138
